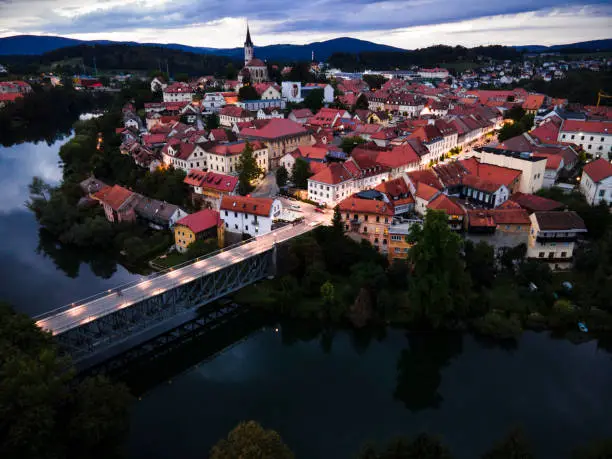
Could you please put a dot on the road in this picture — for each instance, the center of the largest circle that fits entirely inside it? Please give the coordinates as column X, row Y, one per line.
column 267, row 187
column 71, row 316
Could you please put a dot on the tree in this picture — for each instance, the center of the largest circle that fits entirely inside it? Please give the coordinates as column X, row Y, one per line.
column 337, row 224
column 247, row 92
column 314, row 100
column 480, row 263
column 181, row 77
column 439, row 287
column 515, row 113
column 350, row 142
column 601, row 449
column 249, row 440
column 248, row 170
column 300, row 173
column 230, row 72
column 361, row 103
column 423, row 446
column 513, row 446
column 374, row 81
column 212, row 121
column 282, row 176
column 46, row 412
column 328, row 293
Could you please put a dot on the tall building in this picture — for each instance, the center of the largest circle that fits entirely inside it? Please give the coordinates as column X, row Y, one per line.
column 248, row 47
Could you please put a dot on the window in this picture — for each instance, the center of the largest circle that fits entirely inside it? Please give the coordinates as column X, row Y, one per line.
column 589, row 147
column 541, row 255
column 365, row 218
column 573, row 136
column 563, row 136
column 235, row 214
column 377, row 219
column 348, row 216
column 375, row 240
column 591, row 138
column 246, row 227
column 582, row 138
column 226, row 213
column 227, row 225
column 563, row 254
column 397, row 250
column 236, row 226
column 602, row 193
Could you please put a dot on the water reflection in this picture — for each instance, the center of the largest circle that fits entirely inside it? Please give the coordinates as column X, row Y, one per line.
column 18, row 164
column 419, row 368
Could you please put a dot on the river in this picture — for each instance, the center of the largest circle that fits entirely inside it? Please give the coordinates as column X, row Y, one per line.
column 37, row 275
column 326, row 394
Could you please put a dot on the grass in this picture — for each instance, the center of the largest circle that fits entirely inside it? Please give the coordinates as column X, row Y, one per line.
column 169, row 260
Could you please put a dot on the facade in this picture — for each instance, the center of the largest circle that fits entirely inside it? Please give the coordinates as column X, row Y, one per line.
column 118, row 203
column 292, row 91
column 247, row 215
column 257, row 104
column 178, row 92
column 280, row 136
column 231, row 114
column 369, row 219
column 203, row 224
column 158, row 214
column 553, row 236
column 224, row 157
column 254, row 69
column 533, row 168
column 595, row 137
column 596, row 182
column 210, row 187
column 185, row 156
column 213, row 102
column 398, row 244
column 328, row 91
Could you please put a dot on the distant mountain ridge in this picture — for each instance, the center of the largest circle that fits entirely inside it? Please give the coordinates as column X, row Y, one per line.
column 36, row 45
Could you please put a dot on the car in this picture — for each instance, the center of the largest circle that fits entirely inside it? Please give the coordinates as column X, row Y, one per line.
column 295, row 206
column 318, row 209
column 582, row 327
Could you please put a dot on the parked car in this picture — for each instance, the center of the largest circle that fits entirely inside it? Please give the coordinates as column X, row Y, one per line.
column 295, row 206
column 318, row 209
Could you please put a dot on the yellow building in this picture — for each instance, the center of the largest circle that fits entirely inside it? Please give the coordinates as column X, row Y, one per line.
column 369, row 219
column 204, row 224
column 398, row 245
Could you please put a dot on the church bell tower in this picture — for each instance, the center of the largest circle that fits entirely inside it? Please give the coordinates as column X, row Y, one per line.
column 248, row 47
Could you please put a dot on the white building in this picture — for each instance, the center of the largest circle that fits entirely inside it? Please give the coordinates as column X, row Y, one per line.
column 595, row 137
column 178, row 92
column 183, row 156
column 533, row 168
column 328, row 91
column 292, row 91
column 553, row 236
column 253, row 216
column 596, row 182
column 213, row 102
column 433, row 73
column 158, row 84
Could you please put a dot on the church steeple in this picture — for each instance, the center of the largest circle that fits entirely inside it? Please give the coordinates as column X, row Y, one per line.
column 248, row 47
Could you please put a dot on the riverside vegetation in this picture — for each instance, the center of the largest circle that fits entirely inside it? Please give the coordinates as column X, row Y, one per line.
column 446, row 283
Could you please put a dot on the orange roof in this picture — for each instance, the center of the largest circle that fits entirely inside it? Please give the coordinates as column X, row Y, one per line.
column 534, row 101
column 424, row 191
column 200, row 221
column 511, row 216
column 553, row 161
column 365, row 206
column 311, row 152
column 114, row 197
column 509, row 204
column 400, row 155
column 275, row 128
column 211, row 180
column 234, row 148
column 480, row 184
column 426, row 176
column 332, row 174
column 546, row 132
column 247, row 205
column 496, row 174
column 448, row 205
column 598, row 170
column 395, row 187
column 535, row 203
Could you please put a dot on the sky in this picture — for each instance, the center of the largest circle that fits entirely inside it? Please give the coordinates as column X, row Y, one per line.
column 406, row 24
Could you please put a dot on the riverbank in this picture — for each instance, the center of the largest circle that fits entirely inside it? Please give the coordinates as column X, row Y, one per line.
column 443, row 285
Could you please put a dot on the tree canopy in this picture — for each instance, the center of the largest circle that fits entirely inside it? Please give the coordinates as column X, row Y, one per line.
column 314, row 100
column 300, row 173
column 248, row 170
column 249, row 440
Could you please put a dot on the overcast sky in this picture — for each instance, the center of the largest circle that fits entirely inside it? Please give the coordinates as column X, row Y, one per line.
column 404, row 23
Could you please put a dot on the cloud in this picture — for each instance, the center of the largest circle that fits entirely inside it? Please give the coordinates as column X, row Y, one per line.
column 221, row 24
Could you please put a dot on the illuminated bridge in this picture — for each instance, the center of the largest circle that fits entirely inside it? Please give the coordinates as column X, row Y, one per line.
column 99, row 327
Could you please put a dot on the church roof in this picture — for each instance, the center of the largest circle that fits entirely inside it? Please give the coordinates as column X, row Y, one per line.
column 255, row 63
column 248, row 41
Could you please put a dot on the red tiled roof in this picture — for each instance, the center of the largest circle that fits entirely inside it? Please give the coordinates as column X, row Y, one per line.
column 590, row 127
column 393, row 188
column 200, row 221
column 211, row 180
column 366, row 206
column 275, row 128
column 399, row 156
column 234, row 148
column 509, row 204
column 10, row 96
column 300, row 113
column 551, row 221
column 447, row 204
column 425, row 176
column 311, row 152
column 495, row 174
column 598, row 170
column 534, row 101
column 424, row 191
column 534, row 203
column 114, row 197
column 510, row 216
column 255, row 63
column 546, row 132
column 333, row 174
column 234, row 111
column 247, row 205
column 480, row 184
column 553, row 161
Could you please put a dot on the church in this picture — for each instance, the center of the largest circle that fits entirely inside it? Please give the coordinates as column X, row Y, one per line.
column 254, row 70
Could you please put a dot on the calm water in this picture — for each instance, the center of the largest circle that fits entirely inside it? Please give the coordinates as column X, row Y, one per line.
column 36, row 275
column 327, row 396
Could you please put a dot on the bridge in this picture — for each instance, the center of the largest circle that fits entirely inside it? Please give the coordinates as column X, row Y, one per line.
column 103, row 325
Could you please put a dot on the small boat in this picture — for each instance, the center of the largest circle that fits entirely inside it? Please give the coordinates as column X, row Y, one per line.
column 583, row 328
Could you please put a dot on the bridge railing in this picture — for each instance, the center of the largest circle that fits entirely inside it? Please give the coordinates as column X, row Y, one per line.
column 155, row 275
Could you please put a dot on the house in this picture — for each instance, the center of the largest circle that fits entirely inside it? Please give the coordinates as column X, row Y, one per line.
column 596, row 182
column 331, row 184
column 328, row 118
column 158, row 214
column 118, row 203
column 178, row 92
column 398, row 242
column 433, row 73
column 221, row 135
column 369, row 219
column 210, row 186
column 484, row 192
column 268, row 91
column 533, row 103
column 423, row 194
column 553, row 236
column 595, row 137
column 312, row 153
column 300, row 115
column 213, row 102
column 269, row 113
column 532, row 167
column 224, row 157
column 247, row 215
column 534, row 203
column 257, row 104
column 328, row 91
column 398, row 195
column 230, row 114
column 280, row 136
column 183, row 156
column 203, row 224
column 158, row 84
column 431, row 137
column 456, row 214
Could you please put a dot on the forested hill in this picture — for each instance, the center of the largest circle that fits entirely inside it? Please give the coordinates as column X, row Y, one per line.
column 434, row 55
column 122, row 57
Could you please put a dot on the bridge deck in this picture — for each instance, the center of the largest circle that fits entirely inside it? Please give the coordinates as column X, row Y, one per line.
column 68, row 317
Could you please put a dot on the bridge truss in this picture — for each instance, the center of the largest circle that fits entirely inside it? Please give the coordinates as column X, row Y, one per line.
column 95, row 340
